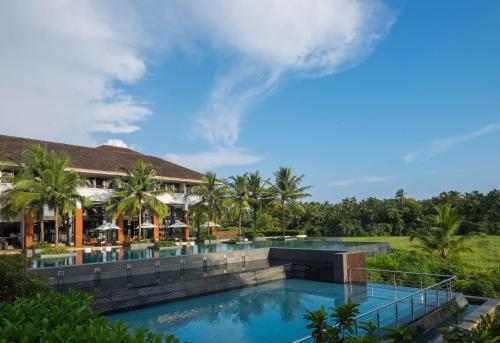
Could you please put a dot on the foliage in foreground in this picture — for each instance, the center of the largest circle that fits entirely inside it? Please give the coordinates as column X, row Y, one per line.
column 469, row 282
column 341, row 327
column 487, row 331
column 65, row 318
column 16, row 281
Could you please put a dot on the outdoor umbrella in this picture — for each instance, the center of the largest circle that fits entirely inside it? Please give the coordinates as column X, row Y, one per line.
column 210, row 224
column 178, row 224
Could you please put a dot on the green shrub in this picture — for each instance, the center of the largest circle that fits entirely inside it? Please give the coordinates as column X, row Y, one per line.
column 40, row 245
column 165, row 244
column 206, row 237
column 65, row 318
column 54, row 251
column 469, row 281
column 16, row 281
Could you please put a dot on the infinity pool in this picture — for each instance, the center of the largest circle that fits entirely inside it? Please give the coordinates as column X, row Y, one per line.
column 272, row 312
column 98, row 256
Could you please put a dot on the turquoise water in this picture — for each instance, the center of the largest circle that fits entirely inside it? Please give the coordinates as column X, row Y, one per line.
column 272, row 312
column 99, row 256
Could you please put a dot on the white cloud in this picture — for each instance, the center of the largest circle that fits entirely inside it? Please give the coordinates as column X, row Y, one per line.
column 60, row 61
column 364, row 179
column 116, row 142
column 63, row 62
column 442, row 145
column 220, row 157
column 280, row 39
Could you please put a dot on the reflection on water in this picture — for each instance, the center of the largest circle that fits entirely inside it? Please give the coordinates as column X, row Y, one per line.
column 265, row 313
column 99, row 256
column 272, row 312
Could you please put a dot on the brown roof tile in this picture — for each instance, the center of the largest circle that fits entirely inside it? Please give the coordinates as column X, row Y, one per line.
column 104, row 158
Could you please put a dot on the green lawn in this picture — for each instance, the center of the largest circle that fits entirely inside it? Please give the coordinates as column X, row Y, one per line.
column 486, row 255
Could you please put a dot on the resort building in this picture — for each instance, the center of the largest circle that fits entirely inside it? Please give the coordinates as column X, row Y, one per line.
column 99, row 166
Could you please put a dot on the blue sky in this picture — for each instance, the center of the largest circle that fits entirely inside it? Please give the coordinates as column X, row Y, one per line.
column 389, row 94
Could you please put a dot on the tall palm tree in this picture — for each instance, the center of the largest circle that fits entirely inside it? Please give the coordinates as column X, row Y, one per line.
column 285, row 189
column 45, row 182
column 138, row 192
column 256, row 193
column 212, row 194
column 239, row 185
column 440, row 238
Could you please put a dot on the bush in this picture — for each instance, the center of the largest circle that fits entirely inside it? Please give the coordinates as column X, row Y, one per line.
column 206, row 237
column 16, row 281
column 65, row 318
column 469, row 282
column 40, row 245
column 165, row 244
column 54, row 251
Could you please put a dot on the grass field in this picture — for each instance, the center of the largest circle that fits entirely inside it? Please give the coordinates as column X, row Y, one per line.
column 486, row 249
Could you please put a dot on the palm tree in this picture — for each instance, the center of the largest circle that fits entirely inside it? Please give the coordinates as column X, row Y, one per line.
column 45, row 182
column 285, row 189
column 211, row 193
column 256, row 191
column 36, row 160
column 239, row 185
column 440, row 238
column 138, row 192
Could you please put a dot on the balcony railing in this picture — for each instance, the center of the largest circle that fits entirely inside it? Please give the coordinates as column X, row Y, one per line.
column 415, row 295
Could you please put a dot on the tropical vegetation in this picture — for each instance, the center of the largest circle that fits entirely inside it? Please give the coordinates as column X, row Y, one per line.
column 43, row 181
column 441, row 237
column 339, row 326
column 136, row 193
column 31, row 312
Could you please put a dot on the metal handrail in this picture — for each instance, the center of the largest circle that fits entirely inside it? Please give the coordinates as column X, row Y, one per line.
column 448, row 280
column 401, row 272
column 406, row 297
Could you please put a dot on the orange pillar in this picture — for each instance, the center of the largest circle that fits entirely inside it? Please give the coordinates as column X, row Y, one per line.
column 120, row 224
column 28, row 230
column 78, row 228
column 156, row 230
column 185, row 219
column 79, row 257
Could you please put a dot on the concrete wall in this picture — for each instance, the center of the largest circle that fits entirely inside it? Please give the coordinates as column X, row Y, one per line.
column 120, row 269
column 126, row 299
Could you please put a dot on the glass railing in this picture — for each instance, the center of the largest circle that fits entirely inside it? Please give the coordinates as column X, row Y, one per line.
column 414, row 295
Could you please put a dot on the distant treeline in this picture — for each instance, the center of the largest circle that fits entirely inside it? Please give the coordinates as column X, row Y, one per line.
column 376, row 217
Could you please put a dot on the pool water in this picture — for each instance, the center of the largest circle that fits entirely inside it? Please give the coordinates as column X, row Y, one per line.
column 271, row 312
column 98, row 256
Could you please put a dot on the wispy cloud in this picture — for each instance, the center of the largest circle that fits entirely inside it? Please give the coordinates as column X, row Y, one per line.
column 267, row 44
column 440, row 146
column 364, row 179
column 60, row 64
column 220, row 157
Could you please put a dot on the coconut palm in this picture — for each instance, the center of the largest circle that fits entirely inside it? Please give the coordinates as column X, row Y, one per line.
column 45, row 182
column 256, row 193
column 286, row 189
column 211, row 193
column 441, row 237
column 239, row 185
column 139, row 191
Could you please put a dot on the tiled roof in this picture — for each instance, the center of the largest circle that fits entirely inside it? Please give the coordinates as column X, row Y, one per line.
column 104, row 158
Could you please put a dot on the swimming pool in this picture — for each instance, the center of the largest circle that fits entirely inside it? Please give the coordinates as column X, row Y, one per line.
column 116, row 254
column 265, row 313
